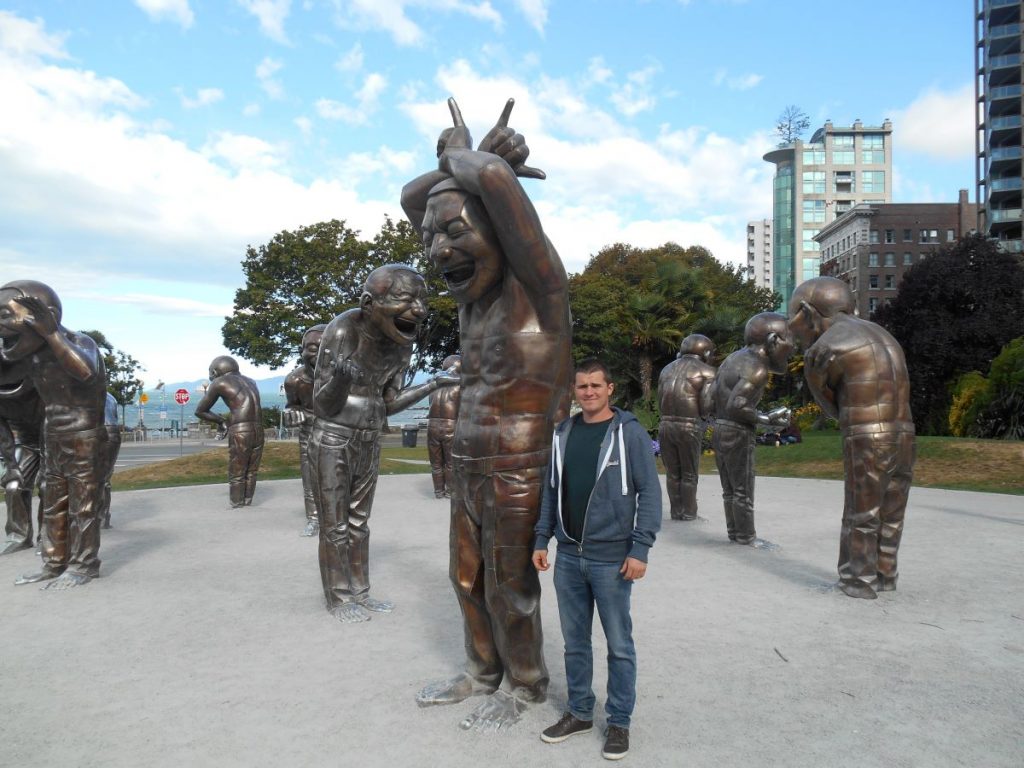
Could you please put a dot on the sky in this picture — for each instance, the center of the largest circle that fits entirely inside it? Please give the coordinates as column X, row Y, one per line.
column 145, row 144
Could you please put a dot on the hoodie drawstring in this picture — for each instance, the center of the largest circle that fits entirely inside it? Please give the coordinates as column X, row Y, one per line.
column 622, row 462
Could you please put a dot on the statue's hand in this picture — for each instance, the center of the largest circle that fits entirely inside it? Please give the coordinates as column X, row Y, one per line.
column 448, row 378
column 12, row 479
column 293, row 417
column 349, row 369
column 41, row 318
column 780, row 416
column 509, row 145
column 456, row 137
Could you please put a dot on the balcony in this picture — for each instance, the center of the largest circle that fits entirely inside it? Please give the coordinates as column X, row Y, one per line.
column 1003, row 185
column 1003, row 30
column 1004, row 122
column 1003, row 62
column 1005, row 215
column 1011, row 246
column 1005, row 92
column 1004, row 153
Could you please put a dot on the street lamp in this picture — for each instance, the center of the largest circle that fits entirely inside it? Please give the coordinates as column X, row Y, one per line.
column 201, row 389
column 280, row 415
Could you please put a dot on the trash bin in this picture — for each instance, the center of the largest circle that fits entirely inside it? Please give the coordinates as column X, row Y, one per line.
column 409, row 432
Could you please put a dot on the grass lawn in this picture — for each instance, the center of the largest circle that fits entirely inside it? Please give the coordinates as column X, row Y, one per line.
column 993, row 466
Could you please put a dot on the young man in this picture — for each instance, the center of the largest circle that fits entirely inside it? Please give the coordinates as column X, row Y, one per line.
column 605, row 522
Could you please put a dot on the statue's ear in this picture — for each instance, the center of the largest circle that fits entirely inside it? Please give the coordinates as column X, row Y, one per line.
column 365, row 300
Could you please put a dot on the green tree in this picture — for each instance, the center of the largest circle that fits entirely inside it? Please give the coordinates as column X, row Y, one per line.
column 1000, row 408
column 122, row 371
column 791, row 124
column 954, row 312
column 308, row 276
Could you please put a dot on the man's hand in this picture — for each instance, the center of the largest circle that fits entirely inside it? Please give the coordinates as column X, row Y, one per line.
column 631, row 570
column 40, row 319
column 293, row 417
column 350, row 370
column 540, row 559
column 456, row 137
column 509, row 145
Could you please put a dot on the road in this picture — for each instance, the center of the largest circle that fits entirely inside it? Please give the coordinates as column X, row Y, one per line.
column 140, row 454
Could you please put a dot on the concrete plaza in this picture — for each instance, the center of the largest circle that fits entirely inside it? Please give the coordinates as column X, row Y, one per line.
column 206, row 643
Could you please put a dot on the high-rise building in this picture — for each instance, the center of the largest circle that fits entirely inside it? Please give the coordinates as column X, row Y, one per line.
column 815, row 182
column 759, row 253
column 998, row 86
column 871, row 246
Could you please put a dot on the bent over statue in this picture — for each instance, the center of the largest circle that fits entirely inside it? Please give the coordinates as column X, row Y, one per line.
column 483, row 235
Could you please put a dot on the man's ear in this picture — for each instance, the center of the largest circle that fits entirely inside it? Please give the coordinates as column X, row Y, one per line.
column 772, row 341
column 365, row 300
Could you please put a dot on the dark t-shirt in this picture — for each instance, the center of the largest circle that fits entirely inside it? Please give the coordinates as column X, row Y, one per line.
column 579, row 472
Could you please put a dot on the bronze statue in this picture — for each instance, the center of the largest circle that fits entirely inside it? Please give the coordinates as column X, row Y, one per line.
column 298, row 412
column 484, row 236
column 684, row 401
column 21, row 449
column 66, row 370
column 734, row 396
column 444, row 408
column 243, row 425
column 360, row 369
column 857, row 372
column 110, row 452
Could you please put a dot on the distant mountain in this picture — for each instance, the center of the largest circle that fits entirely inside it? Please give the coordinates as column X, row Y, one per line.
column 271, row 385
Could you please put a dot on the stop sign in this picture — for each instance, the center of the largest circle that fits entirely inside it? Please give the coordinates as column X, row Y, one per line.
column 181, row 396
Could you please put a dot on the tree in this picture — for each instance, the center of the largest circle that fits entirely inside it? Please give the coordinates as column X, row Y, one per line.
column 122, row 369
column 308, row 276
column 954, row 311
column 791, row 124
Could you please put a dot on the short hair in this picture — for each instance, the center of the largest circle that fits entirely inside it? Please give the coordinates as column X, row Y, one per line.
column 593, row 365
column 697, row 344
column 380, row 280
column 311, row 330
column 224, row 364
column 828, row 295
column 763, row 325
column 450, row 361
column 37, row 290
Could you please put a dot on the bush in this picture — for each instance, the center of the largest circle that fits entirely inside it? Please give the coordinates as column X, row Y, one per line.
column 810, row 416
column 1001, row 407
column 969, row 393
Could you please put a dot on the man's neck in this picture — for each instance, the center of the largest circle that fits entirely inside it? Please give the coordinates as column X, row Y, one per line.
column 604, row 415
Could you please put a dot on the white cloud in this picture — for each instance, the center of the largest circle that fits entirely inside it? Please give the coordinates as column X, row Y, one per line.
column 737, row 82
column 937, row 123
column 367, row 102
column 360, row 165
column 265, row 72
column 27, row 39
column 170, row 305
column 251, row 110
column 305, row 126
column 271, row 15
column 392, row 16
column 634, row 96
column 203, row 98
column 175, row 10
column 535, row 11
column 351, row 60
column 243, row 153
column 598, row 71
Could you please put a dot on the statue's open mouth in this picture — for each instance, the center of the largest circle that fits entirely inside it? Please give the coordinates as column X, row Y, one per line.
column 406, row 327
column 459, row 274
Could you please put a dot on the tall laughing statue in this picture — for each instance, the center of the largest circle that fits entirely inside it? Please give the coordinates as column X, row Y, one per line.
column 298, row 412
column 66, row 370
column 484, row 236
column 364, row 355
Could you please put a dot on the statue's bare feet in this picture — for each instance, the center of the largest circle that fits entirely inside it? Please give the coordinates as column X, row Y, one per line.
column 14, row 545
column 68, row 580
column 350, row 613
column 498, row 711
column 857, row 589
column 764, row 544
column 451, row 691
column 377, row 606
column 35, row 578
column 312, row 528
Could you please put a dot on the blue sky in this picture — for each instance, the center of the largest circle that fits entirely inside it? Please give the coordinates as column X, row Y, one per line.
column 145, row 143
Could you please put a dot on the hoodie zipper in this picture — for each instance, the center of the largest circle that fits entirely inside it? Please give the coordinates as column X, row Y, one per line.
column 604, row 466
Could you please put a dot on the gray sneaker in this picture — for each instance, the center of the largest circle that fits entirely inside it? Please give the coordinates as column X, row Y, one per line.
column 616, row 743
column 568, row 725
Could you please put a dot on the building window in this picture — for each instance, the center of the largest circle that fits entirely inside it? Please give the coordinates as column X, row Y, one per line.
column 873, row 282
column 843, row 182
column 872, row 259
column 814, row 211
column 950, row 236
column 890, row 235
column 890, row 259
column 873, row 181
column 814, row 182
column 908, row 235
column 872, row 157
column 809, row 244
column 814, row 156
column 872, row 305
column 842, row 140
column 873, row 236
column 890, row 282
column 842, row 206
column 843, row 157
column 853, row 283
column 873, row 141
column 908, row 259
column 929, row 235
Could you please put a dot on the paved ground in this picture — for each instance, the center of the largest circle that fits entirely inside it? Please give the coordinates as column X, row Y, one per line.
column 206, row 643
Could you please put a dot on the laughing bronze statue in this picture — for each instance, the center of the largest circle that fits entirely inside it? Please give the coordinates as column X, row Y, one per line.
column 298, row 412
column 66, row 370
column 483, row 235
column 360, row 371
column 684, row 402
column 444, row 409
column 243, row 425
column 113, row 447
column 734, row 396
column 857, row 373
column 21, row 449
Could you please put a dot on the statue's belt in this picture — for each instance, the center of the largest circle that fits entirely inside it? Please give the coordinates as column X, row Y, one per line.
column 488, row 465
column 362, row 435
column 879, row 428
column 681, row 419
column 735, row 425
column 244, row 426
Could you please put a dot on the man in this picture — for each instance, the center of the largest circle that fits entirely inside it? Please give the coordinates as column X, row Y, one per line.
column 858, row 374
column 21, row 449
column 298, row 412
column 484, row 236
column 113, row 447
column 734, row 396
column 360, row 371
column 243, row 424
column 444, row 408
column 66, row 370
column 683, row 399
column 605, row 522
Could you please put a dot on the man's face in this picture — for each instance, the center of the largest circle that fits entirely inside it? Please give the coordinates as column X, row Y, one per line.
column 17, row 338
column 801, row 327
column 399, row 313
column 593, row 393
column 310, row 348
column 779, row 351
column 460, row 240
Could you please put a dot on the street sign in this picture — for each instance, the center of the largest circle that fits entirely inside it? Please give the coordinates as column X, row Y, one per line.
column 163, row 414
column 143, row 398
column 181, row 396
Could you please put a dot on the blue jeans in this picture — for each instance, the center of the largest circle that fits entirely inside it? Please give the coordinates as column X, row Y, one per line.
column 580, row 584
